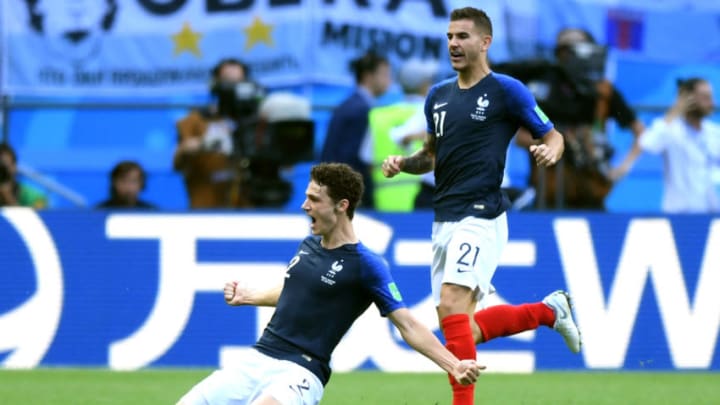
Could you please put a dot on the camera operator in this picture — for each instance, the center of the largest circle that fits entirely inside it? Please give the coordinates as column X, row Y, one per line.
column 689, row 143
column 574, row 91
column 281, row 135
column 206, row 154
column 12, row 191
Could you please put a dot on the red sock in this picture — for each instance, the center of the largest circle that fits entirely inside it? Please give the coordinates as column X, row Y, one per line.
column 459, row 341
column 506, row 320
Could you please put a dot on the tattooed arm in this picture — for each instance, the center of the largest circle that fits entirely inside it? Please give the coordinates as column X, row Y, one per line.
column 419, row 162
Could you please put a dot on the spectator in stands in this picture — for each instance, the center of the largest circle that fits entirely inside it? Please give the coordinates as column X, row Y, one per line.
column 205, row 153
column 348, row 140
column 127, row 181
column 574, row 91
column 13, row 192
column 690, row 145
column 399, row 129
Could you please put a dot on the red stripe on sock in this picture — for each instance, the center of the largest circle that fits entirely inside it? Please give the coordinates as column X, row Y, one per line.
column 459, row 341
column 506, row 320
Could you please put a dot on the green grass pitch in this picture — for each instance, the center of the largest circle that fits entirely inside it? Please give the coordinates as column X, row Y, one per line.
column 165, row 386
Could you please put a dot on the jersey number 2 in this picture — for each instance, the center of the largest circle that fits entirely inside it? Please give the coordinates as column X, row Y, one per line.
column 439, row 120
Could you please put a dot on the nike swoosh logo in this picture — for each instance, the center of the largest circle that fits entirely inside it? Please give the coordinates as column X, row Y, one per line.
column 438, row 105
column 464, row 271
column 561, row 313
column 302, row 252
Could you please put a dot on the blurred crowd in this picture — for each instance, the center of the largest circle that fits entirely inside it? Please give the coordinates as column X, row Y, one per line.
column 233, row 152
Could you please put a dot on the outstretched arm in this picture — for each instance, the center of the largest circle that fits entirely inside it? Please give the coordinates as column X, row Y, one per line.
column 620, row 171
column 239, row 294
column 420, row 338
column 419, row 162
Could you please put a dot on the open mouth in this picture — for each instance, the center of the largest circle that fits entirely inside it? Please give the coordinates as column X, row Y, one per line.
column 456, row 55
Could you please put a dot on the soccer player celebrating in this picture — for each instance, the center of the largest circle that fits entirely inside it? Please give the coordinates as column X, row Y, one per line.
column 329, row 283
column 471, row 119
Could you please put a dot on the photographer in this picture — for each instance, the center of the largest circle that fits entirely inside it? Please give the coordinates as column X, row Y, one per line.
column 205, row 153
column 574, row 91
column 689, row 143
column 12, row 191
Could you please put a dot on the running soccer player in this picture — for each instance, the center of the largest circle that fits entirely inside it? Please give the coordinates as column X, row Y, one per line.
column 471, row 119
column 329, row 283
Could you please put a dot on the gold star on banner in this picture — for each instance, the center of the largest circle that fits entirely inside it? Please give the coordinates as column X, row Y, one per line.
column 187, row 41
column 258, row 32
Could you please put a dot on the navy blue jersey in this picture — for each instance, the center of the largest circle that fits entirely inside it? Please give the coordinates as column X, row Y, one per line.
column 325, row 291
column 473, row 128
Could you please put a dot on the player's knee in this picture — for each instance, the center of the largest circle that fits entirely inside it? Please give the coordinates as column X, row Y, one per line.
column 477, row 333
column 447, row 308
column 454, row 301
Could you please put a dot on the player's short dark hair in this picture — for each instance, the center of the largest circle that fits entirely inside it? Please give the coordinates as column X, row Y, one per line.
column 479, row 17
column 342, row 182
column 689, row 84
column 369, row 62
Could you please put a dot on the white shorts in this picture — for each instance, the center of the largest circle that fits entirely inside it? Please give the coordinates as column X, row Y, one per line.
column 255, row 376
column 467, row 253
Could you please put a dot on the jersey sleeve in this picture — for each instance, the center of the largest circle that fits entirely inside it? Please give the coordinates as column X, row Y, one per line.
column 381, row 285
column 523, row 106
column 430, row 125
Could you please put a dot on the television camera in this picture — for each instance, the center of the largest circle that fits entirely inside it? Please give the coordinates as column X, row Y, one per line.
column 262, row 144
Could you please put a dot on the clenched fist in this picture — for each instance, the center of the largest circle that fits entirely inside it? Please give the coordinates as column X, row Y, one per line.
column 234, row 294
column 467, row 372
column 545, row 155
column 392, row 166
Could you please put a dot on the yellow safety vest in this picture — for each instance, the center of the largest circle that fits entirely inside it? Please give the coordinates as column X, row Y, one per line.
column 396, row 194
